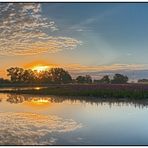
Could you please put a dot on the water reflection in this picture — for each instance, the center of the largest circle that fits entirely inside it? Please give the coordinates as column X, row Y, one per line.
column 44, row 120
column 21, row 88
column 38, row 88
column 38, row 103
column 33, row 129
column 12, row 98
column 40, row 100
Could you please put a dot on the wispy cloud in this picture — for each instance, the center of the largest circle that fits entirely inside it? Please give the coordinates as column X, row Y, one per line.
column 85, row 24
column 23, row 31
column 113, row 67
column 78, row 68
column 133, row 71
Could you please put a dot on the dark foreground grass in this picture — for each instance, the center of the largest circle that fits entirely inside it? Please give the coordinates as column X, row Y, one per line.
column 132, row 91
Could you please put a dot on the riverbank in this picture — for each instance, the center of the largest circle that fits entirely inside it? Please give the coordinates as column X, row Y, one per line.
column 132, row 91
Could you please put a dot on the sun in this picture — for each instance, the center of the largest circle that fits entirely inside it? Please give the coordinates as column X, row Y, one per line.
column 40, row 68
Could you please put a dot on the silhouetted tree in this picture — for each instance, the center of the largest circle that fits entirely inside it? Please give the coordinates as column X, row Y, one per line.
column 80, row 79
column 59, row 75
column 143, row 81
column 105, row 79
column 54, row 75
column 119, row 79
column 88, row 79
column 45, row 77
column 28, row 76
column 84, row 79
column 15, row 74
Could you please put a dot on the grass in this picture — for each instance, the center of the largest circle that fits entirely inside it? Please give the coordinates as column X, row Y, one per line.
column 130, row 91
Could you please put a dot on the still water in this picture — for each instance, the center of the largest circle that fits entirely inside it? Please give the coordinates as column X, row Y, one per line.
column 51, row 120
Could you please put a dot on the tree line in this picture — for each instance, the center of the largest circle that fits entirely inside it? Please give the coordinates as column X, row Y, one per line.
column 55, row 76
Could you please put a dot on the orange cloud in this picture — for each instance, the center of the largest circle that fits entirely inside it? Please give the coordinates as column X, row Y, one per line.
column 82, row 68
column 38, row 63
column 85, row 68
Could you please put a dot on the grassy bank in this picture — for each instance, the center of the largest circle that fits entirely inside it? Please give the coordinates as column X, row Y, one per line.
column 133, row 91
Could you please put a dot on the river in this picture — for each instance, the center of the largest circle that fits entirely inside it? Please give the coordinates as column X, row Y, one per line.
column 51, row 120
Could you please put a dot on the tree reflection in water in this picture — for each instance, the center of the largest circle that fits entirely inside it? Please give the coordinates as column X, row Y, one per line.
column 15, row 98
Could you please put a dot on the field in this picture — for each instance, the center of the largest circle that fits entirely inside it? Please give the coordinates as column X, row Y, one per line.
column 132, row 91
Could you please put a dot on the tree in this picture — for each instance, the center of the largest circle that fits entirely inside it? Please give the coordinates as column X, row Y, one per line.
column 54, row 75
column 119, row 79
column 80, row 79
column 28, row 76
column 15, row 74
column 143, row 81
column 59, row 75
column 19, row 75
column 45, row 77
column 88, row 79
column 84, row 79
column 105, row 79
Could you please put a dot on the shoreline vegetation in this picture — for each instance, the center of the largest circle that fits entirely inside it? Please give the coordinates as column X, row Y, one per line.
column 57, row 81
column 129, row 91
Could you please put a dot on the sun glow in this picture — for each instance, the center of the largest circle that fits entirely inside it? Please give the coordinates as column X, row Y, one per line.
column 40, row 68
column 39, row 103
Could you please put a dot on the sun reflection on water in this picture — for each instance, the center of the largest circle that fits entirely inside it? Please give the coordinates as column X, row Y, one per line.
column 37, row 88
column 38, row 103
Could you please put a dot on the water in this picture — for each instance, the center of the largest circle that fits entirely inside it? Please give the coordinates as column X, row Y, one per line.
column 21, row 88
column 51, row 120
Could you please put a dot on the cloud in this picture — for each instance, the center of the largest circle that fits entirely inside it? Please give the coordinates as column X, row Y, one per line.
column 33, row 129
column 113, row 67
column 133, row 71
column 23, row 31
column 78, row 68
column 85, row 24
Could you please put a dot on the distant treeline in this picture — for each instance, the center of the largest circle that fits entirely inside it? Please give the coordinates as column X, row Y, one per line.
column 143, row 81
column 55, row 76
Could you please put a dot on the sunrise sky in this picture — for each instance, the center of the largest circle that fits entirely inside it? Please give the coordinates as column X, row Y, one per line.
column 80, row 37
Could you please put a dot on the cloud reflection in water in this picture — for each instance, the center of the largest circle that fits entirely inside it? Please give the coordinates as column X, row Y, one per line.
column 33, row 129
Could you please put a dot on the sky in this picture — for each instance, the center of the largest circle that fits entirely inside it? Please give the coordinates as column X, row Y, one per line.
column 94, row 38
